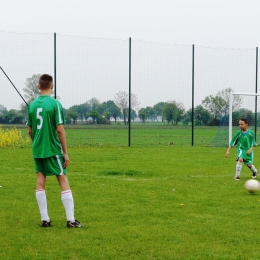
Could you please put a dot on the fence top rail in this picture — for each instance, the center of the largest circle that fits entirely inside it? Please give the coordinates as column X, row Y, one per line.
column 245, row 94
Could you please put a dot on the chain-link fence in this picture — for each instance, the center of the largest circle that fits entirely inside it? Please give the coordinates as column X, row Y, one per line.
column 94, row 74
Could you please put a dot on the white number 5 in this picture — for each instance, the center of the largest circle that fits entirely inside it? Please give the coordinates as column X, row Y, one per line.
column 38, row 116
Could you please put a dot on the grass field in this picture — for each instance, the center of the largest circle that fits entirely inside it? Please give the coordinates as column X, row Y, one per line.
column 148, row 134
column 154, row 202
column 142, row 135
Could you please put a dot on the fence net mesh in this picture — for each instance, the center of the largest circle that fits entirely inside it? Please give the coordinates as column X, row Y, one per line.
column 92, row 76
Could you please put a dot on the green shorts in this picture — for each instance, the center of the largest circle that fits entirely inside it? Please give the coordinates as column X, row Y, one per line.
column 247, row 158
column 50, row 166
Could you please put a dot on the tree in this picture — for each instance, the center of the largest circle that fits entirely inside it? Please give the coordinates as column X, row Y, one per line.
column 93, row 102
column 236, row 101
column 215, row 106
column 121, row 99
column 24, row 112
column 173, row 112
column 150, row 113
column 100, row 108
column 12, row 117
column 3, row 109
column 158, row 108
column 142, row 115
column 95, row 116
column 133, row 114
column 202, row 116
column 218, row 105
column 109, row 107
column 187, row 117
column 134, row 102
column 81, row 109
column 170, row 111
column 180, row 112
column 31, row 88
column 107, row 115
column 113, row 109
column 72, row 114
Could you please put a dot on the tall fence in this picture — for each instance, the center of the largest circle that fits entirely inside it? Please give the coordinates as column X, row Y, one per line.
column 91, row 70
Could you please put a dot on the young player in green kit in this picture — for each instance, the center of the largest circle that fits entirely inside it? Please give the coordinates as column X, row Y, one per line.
column 45, row 127
column 245, row 141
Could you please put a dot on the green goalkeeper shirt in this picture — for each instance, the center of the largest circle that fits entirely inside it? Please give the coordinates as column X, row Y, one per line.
column 244, row 140
column 44, row 115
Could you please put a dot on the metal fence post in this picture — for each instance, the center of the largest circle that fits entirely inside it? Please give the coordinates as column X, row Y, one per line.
column 55, row 82
column 129, row 108
column 192, row 108
column 256, row 79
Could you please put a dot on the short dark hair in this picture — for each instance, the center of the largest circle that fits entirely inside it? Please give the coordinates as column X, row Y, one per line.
column 45, row 81
column 244, row 119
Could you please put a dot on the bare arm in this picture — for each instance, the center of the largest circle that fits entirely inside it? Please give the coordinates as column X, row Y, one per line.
column 250, row 150
column 62, row 137
column 228, row 151
column 30, row 132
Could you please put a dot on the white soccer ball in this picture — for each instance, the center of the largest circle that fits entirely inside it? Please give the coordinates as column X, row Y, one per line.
column 252, row 185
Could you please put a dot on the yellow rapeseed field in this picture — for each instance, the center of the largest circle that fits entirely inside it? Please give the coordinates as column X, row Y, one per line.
column 13, row 138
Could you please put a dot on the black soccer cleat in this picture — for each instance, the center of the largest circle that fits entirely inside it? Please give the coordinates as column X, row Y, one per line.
column 46, row 223
column 236, row 178
column 75, row 224
column 254, row 174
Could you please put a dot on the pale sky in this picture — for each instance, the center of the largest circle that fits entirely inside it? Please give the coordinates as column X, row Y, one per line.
column 225, row 33
column 207, row 23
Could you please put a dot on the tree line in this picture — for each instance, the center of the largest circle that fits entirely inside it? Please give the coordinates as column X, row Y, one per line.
column 209, row 112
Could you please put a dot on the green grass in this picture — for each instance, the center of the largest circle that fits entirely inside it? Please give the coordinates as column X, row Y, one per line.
column 148, row 134
column 154, row 202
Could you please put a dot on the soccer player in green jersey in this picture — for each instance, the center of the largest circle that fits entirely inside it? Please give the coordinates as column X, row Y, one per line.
column 245, row 141
column 45, row 127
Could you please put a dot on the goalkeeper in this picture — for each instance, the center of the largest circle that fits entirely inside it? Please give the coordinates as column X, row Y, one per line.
column 245, row 141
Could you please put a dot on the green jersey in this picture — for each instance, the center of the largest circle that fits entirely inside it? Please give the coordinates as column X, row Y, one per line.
column 244, row 140
column 44, row 115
